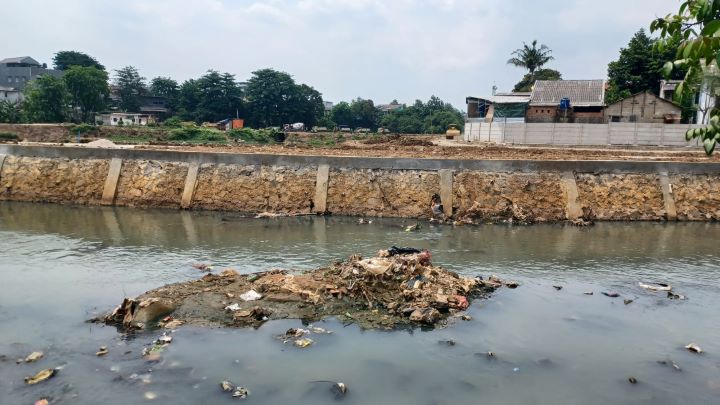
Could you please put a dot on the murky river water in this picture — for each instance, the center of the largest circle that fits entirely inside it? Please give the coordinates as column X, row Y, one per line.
column 61, row 265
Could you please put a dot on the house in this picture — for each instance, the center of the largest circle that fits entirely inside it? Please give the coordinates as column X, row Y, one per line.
column 123, row 119
column 156, row 106
column 502, row 107
column 643, row 107
column 17, row 72
column 705, row 100
column 10, row 94
column 583, row 101
column 393, row 106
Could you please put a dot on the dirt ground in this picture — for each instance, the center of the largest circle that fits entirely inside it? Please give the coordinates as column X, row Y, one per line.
column 436, row 147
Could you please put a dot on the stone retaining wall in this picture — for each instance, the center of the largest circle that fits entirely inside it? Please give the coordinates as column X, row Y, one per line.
column 256, row 183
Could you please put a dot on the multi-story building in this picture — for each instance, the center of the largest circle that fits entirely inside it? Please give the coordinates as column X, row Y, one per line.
column 17, row 72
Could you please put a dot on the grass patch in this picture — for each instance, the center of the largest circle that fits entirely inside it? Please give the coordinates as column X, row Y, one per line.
column 326, row 141
column 249, row 135
column 197, row 135
column 8, row 136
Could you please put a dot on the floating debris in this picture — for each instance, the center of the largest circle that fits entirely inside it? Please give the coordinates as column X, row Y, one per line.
column 363, row 221
column 102, row 351
column 448, row 342
column 164, row 340
column 628, row 301
column 588, row 293
column 338, row 388
column 203, row 267
column 150, row 395
column 41, row 376
column 557, row 287
column 671, row 363
column 674, row 296
column 694, row 348
column 34, row 356
column 632, row 380
column 610, row 294
column 43, row 401
column 240, row 393
column 227, row 386
column 656, row 286
column 466, row 318
column 512, row 284
column 304, row 342
column 412, row 228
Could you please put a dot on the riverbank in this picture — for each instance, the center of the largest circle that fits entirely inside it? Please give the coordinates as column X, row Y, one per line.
column 472, row 190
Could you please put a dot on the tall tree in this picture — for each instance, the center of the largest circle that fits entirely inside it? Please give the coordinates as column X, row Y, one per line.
column 64, row 60
column 10, row 112
column 167, row 88
column 697, row 26
column 432, row 117
column 638, row 68
column 130, row 87
column 531, row 57
column 364, row 113
column 46, row 100
column 528, row 80
column 88, row 90
column 342, row 114
column 220, row 97
column 188, row 99
column 275, row 99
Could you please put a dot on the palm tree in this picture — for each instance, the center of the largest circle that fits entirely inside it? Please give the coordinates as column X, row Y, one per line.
column 531, row 58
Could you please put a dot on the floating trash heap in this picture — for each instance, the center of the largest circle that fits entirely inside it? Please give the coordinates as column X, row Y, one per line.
column 398, row 287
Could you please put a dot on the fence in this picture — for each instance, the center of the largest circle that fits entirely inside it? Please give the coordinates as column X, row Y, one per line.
column 578, row 134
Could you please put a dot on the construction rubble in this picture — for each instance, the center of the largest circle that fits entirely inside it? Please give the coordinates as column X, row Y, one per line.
column 399, row 287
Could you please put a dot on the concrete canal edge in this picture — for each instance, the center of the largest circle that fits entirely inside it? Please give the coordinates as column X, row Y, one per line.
column 545, row 191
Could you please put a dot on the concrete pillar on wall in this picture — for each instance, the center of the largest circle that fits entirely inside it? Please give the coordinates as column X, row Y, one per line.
column 446, row 191
column 190, row 184
column 668, row 197
column 573, row 210
column 321, row 189
column 111, row 182
column 2, row 162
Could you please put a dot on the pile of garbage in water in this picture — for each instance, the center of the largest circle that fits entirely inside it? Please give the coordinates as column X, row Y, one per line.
column 400, row 286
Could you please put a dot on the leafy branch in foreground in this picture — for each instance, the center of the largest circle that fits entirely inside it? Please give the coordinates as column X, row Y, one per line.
column 697, row 26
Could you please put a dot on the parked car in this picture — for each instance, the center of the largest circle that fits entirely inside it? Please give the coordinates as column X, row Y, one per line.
column 362, row 130
column 344, row 128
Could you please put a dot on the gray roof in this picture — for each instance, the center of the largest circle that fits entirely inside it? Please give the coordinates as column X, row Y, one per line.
column 582, row 93
column 20, row 59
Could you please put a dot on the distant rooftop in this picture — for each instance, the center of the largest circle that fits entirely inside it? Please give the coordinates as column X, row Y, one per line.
column 26, row 60
column 583, row 93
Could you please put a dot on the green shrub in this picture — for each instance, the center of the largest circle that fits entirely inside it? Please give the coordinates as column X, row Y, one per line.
column 173, row 122
column 82, row 129
column 196, row 134
column 252, row 135
column 8, row 136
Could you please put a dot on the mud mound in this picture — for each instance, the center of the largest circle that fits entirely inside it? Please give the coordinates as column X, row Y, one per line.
column 395, row 288
column 398, row 140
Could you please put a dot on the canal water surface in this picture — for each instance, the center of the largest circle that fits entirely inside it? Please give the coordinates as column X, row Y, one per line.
column 60, row 266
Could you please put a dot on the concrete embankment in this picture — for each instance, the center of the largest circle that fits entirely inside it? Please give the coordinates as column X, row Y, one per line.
column 542, row 191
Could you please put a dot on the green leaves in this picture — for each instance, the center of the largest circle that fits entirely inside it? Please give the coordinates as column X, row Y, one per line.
column 667, row 69
column 709, row 146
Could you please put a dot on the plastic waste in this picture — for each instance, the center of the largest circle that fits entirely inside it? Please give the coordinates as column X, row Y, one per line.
column 102, row 351
column 394, row 251
column 632, row 380
column 611, row 294
column 304, row 342
column 251, row 295
column 557, row 287
column 34, row 356
column 656, row 286
column 40, row 376
column 694, row 348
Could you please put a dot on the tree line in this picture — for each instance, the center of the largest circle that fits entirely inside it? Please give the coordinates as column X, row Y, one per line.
column 269, row 98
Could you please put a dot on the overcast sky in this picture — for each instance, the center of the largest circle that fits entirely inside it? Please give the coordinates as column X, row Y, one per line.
column 377, row 49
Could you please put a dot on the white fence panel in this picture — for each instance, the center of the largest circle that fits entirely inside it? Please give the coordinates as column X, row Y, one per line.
column 578, row 134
